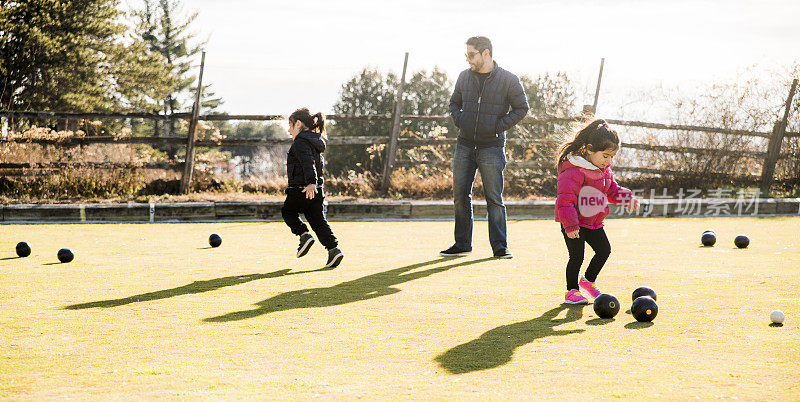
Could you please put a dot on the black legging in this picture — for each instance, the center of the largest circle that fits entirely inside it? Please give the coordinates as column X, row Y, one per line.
column 598, row 241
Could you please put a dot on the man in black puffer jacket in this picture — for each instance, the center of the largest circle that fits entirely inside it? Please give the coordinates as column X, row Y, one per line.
column 486, row 102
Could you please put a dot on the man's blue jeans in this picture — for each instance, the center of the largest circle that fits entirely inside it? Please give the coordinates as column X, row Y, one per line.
column 491, row 162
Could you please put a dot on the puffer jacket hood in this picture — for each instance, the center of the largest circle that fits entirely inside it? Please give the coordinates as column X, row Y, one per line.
column 314, row 138
column 581, row 162
column 584, row 192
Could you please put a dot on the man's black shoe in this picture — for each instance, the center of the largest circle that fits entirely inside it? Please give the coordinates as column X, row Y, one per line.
column 503, row 253
column 454, row 252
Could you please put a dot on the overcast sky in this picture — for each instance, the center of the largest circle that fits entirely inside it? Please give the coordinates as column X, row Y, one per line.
column 270, row 57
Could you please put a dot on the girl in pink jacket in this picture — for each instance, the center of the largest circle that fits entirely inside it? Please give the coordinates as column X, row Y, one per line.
column 585, row 187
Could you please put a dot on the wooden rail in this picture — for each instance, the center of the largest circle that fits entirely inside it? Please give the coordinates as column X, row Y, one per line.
column 52, row 115
column 355, row 140
column 770, row 157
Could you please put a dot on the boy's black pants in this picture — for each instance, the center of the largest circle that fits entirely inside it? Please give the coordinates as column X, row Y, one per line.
column 297, row 203
column 598, row 241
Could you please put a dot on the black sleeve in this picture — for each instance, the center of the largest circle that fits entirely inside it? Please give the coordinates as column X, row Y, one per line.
column 306, row 156
column 456, row 102
column 515, row 96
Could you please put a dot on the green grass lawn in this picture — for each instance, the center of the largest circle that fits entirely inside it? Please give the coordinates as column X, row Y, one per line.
column 150, row 311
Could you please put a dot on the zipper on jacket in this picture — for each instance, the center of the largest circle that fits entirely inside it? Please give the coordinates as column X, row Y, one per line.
column 478, row 114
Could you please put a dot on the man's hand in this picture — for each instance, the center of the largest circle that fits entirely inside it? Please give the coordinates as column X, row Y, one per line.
column 311, row 191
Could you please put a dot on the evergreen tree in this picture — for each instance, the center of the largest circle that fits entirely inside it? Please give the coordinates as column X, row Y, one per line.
column 160, row 25
column 372, row 92
column 368, row 92
column 75, row 56
column 55, row 54
column 428, row 94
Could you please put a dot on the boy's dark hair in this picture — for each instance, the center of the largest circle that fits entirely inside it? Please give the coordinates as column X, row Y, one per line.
column 596, row 136
column 315, row 123
column 480, row 43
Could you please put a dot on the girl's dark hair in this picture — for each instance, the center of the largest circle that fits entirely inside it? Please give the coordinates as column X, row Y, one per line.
column 314, row 123
column 596, row 136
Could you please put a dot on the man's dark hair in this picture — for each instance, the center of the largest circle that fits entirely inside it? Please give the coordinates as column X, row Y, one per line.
column 480, row 43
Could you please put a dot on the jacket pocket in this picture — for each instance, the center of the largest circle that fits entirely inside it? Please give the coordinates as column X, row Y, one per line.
column 487, row 126
column 457, row 119
column 467, row 123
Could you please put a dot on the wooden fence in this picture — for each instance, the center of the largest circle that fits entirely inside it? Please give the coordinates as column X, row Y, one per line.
column 770, row 156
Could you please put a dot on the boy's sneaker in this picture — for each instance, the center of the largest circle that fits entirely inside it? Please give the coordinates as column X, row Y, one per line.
column 589, row 287
column 574, row 296
column 503, row 253
column 334, row 257
column 306, row 240
column 454, row 251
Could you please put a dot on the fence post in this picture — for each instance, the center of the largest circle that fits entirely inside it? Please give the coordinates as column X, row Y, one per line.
column 391, row 149
column 188, row 168
column 775, row 141
column 597, row 91
column 166, row 113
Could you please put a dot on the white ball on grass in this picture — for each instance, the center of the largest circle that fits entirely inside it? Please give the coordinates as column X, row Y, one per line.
column 777, row 317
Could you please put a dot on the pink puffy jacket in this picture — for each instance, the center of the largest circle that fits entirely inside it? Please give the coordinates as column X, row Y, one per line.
column 584, row 194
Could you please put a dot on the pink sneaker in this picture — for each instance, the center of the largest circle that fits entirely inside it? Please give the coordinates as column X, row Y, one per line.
column 589, row 287
column 575, row 297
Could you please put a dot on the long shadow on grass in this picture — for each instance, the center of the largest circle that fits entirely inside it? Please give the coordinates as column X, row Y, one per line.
column 496, row 347
column 368, row 287
column 192, row 288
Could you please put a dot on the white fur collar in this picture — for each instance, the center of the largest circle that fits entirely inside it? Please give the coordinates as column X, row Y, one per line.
column 581, row 162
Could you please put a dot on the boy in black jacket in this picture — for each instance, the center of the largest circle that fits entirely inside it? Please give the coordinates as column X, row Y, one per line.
column 304, row 193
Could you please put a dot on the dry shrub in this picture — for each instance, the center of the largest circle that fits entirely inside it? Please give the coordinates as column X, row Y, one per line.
column 725, row 156
column 409, row 183
column 358, row 185
column 753, row 101
column 412, row 183
column 271, row 185
column 50, row 183
column 73, row 184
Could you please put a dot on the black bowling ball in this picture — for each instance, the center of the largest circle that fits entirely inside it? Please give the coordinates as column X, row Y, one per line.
column 214, row 240
column 606, row 306
column 708, row 239
column 65, row 255
column 23, row 249
column 644, row 309
column 644, row 291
